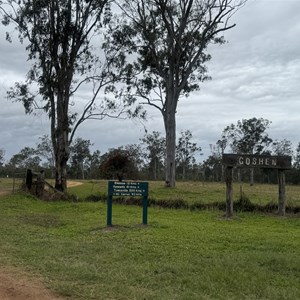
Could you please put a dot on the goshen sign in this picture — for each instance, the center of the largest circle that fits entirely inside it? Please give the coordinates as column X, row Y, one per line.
column 257, row 161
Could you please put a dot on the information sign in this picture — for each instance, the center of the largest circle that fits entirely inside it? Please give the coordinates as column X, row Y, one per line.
column 129, row 189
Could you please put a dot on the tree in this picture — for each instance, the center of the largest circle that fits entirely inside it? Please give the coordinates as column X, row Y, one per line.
column 248, row 136
column 135, row 153
column 45, row 150
column 94, row 164
column 297, row 158
column 283, row 147
column 118, row 163
column 26, row 158
column 80, row 156
column 61, row 38
column 186, row 151
column 212, row 166
column 154, row 146
column 169, row 39
column 2, row 153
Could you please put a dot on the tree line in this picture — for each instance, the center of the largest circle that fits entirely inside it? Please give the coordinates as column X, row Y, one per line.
column 250, row 136
column 147, row 159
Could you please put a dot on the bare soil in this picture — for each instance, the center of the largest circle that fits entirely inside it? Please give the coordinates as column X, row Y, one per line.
column 3, row 192
column 73, row 183
column 14, row 285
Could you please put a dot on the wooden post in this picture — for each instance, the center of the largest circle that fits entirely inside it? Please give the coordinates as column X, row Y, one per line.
column 109, row 211
column 229, row 201
column 28, row 179
column 145, row 210
column 281, row 192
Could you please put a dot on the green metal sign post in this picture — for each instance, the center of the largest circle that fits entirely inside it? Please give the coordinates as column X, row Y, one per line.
column 127, row 188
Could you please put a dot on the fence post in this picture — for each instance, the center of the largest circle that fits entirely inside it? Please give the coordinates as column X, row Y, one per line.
column 229, row 201
column 281, row 192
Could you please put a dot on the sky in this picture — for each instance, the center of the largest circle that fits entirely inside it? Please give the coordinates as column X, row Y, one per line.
column 256, row 73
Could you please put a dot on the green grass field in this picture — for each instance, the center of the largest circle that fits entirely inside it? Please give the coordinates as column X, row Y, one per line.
column 179, row 255
column 201, row 192
column 192, row 192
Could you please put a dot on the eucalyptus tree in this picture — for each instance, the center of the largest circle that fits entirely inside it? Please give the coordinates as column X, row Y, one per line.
column 296, row 158
column 186, row 151
column 248, row 136
column 2, row 153
column 26, row 158
column 93, row 165
column 118, row 163
column 154, row 153
column 168, row 41
column 45, row 150
column 282, row 147
column 64, row 44
column 80, row 156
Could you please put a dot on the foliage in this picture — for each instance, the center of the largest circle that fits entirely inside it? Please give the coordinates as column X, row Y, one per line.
column 248, row 136
column 93, row 165
column 154, row 153
column 26, row 158
column 169, row 40
column 61, row 37
column 45, row 150
column 297, row 158
column 118, row 163
column 283, row 147
column 79, row 157
column 2, row 153
column 185, row 152
column 213, row 168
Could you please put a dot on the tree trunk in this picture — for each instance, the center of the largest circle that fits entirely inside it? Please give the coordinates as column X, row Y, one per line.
column 251, row 176
column 229, row 192
column 62, row 155
column 183, row 171
column 82, row 170
column 61, row 143
column 281, row 191
column 170, row 128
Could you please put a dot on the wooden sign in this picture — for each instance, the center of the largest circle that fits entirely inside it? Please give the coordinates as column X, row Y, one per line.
column 281, row 163
column 257, row 161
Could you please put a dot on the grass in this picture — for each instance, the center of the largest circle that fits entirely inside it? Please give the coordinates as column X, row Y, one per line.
column 201, row 192
column 192, row 191
column 180, row 255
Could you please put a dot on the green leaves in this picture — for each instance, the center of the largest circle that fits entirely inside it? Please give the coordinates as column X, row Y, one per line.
column 248, row 136
column 22, row 94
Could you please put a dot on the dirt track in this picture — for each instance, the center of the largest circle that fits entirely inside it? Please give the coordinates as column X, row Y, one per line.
column 16, row 286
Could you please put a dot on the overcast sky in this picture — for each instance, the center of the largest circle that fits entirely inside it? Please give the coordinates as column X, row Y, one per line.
column 255, row 74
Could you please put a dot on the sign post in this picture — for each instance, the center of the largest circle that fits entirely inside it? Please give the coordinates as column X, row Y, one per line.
column 130, row 189
column 229, row 192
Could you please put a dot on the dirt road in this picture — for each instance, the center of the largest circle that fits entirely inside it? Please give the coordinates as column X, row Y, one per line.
column 15, row 285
